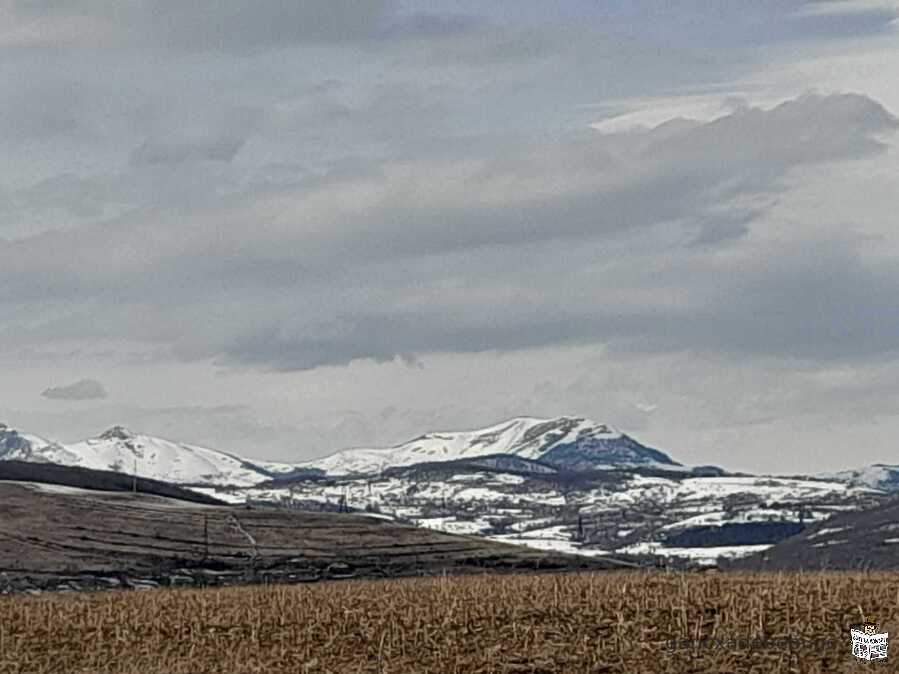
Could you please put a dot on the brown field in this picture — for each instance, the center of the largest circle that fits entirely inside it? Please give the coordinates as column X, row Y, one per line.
column 613, row 622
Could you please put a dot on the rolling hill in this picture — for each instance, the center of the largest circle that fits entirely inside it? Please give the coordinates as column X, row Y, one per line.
column 866, row 539
column 56, row 537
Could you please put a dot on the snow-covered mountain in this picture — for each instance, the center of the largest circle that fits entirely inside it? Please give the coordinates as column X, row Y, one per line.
column 24, row 447
column 119, row 449
column 570, row 443
column 876, row 476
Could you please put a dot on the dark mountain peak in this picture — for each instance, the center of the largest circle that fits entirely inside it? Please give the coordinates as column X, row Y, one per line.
column 116, row 433
column 10, row 440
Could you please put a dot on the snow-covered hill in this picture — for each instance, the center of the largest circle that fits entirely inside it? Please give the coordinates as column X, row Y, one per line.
column 670, row 514
column 121, row 450
column 571, row 443
column 876, row 476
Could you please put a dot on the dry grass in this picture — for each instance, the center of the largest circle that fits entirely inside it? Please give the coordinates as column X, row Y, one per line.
column 525, row 623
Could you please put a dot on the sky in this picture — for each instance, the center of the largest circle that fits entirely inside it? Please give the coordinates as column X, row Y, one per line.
column 281, row 229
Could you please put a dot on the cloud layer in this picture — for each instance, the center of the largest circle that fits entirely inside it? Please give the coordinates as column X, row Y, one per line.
column 488, row 249
column 291, row 192
column 84, row 389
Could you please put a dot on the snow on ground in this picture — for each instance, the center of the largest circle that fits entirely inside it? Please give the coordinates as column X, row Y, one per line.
column 558, row 532
column 453, row 526
column 471, row 503
column 506, row 478
column 700, row 555
column 532, row 524
column 827, row 530
column 47, row 488
column 719, row 517
column 555, row 545
column 707, row 493
column 228, row 496
column 874, row 476
column 377, row 516
column 475, row 494
column 59, row 488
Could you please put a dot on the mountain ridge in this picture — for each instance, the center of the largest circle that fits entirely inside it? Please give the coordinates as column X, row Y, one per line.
column 561, row 442
column 569, row 443
column 122, row 450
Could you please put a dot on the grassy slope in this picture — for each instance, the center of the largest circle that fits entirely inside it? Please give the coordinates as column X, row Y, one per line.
column 45, row 535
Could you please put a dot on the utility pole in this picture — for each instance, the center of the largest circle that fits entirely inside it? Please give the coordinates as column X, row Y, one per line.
column 134, row 478
column 205, row 537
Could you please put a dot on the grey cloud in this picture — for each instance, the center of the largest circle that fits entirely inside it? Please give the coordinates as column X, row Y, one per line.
column 200, row 131
column 84, row 389
column 589, row 185
column 346, row 204
column 822, row 302
column 48, row 107
column 721, row 227
column 486, row 248
column 162, row 152
column 202, row 25
column 428, row 25
column 730, row 23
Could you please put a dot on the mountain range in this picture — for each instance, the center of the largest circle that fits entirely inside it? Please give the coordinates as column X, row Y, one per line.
column 565, row 484
column 565, row 443
column 569, row 443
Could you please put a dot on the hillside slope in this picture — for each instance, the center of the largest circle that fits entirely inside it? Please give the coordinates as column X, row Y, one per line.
column 54, row 537
column 859, row 540
column 637, row 511
column 876, row 476
column 98, row 480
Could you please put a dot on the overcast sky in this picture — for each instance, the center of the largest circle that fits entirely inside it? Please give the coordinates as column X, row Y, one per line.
column 283, row 228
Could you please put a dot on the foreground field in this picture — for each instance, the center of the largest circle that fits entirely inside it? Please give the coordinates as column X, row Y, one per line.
column 617, row 622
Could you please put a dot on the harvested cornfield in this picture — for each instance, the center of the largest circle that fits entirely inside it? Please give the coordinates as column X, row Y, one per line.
column 614, row 622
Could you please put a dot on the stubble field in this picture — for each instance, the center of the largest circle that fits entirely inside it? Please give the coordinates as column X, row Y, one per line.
column 552, row 623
